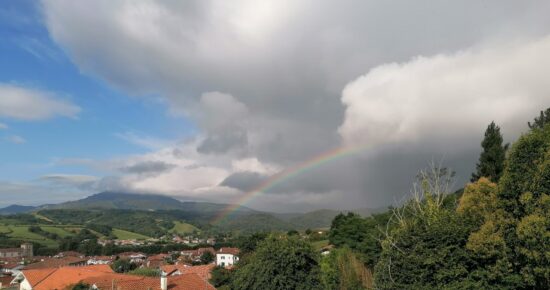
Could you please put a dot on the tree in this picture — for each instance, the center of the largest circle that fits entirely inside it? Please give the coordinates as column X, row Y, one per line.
column 491, row 160
column 348, row 230
column 280, row 262
column 514, row 242
column 341, row 269
column 426, row 247
column 220, row 277
column 478, row 200
column 541, row 121
column 207, row 258
column 123, row 266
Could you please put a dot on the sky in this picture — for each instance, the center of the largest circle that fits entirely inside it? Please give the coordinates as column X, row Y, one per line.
column 208, row 99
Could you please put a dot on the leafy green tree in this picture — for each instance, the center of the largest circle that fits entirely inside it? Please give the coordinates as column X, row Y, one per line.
column 207, row 258
column 478, row 200
column 279, row 263
column 491, row 160
column 248, row 244
column 426, row 247
column 514, row 242
column 541, row 121
column 123, row 266
column 341, row 269
column 220, row 277
column 348, row 230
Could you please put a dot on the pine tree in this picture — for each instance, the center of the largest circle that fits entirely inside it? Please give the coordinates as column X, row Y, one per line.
column 540, row 121
column 491, row 160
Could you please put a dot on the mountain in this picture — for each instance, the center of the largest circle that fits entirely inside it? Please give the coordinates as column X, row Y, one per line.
column 15, row 209
column 147, row 202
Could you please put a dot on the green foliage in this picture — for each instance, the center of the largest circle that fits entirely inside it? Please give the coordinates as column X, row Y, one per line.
column 147, row 272
column 207, row 258
column 341, row 269
column 90, row 247
column 81, row 286
column 541, row 121
column 123, row 266
column 491, row 160
column 248, row 244
column 362, row 235
column 512, row 247
column 425, row 252
column 279, row 263
column 220, row 277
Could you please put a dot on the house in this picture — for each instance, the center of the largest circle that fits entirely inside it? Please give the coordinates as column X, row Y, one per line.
column 100, row 260
column 195, row 255
column 24, row 251
column 58, row 278
column 227, row 257
column 57, row 262
column 138, row 258
column 156, row 261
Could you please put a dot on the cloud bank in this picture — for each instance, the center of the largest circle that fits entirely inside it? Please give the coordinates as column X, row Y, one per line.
column 271, row 84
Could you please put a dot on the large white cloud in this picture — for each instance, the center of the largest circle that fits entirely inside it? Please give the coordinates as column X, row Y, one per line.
column 449, row 96
column 263, row 82
column 23, row 103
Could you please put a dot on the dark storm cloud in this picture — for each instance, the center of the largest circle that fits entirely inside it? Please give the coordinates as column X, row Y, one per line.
column 244, row 181
column 148, row 167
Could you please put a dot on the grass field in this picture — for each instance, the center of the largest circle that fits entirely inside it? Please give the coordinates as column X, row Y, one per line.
column 23, row 233
column 183, row 228
column 126, row 235
column 57, row 230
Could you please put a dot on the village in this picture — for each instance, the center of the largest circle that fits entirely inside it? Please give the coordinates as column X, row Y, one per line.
column 185, row 269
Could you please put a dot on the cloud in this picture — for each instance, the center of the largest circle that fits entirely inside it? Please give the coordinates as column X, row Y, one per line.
column 3, row 126
column 69, row 179
column 449, row 96
column 148, row 142
column 22, row 103
column 244, row 181
column 16, row 139
column 148, row 167
column 263, row 82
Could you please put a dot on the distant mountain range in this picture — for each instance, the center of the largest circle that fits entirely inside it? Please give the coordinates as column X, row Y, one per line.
column 243, row 218
column 15, row 209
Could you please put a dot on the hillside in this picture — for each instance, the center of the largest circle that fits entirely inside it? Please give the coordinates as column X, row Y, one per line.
column 14, row 209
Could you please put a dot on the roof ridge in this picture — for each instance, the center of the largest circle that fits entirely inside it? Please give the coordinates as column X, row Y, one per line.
column 49, row 274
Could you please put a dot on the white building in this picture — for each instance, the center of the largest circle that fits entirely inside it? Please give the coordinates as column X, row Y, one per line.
column 227, row 257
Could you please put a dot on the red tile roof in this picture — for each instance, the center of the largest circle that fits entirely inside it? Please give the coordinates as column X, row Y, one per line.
column 202, row 271
column 61, row 278
column 232, row 251
column 56, row 263
column 131, row 282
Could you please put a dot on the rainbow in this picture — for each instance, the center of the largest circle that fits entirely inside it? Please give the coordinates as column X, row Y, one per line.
column 286, row 175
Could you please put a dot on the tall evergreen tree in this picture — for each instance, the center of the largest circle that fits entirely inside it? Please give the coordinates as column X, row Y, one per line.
column 491, row 160
column 540, row 121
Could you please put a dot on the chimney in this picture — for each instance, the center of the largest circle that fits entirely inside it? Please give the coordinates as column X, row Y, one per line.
column 163, row 281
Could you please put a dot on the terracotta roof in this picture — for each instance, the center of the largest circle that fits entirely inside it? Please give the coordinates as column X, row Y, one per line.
column 56, row 263
column 132, row 282
column 232, row 251
column 69, row 254
column 36, row 276
column 203, row 270
column 61, row 278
